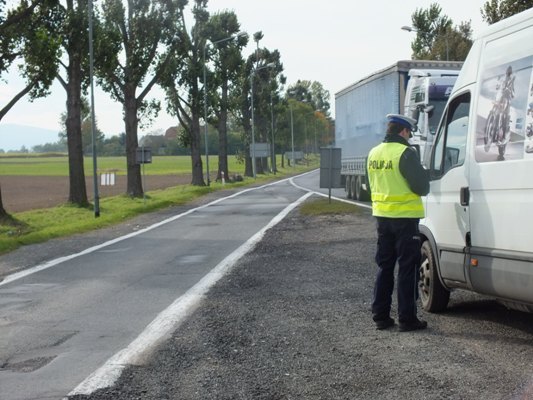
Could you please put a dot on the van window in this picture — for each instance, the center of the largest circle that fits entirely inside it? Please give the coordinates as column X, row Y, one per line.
column 435, row 114
column 450, row 145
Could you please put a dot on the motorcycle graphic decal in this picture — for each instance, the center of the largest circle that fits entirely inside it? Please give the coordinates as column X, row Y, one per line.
column 503, row 117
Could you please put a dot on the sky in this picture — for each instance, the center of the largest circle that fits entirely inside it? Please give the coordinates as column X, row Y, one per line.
column 335, row 42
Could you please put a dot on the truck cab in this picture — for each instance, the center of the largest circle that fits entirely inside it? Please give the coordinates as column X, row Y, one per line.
column 426, row 96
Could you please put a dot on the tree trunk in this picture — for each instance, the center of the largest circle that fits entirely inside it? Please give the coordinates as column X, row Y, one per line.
column 223, row 147
column 223, row 135
column 8, row 219
column 272, row 147
column 196, row 152
column 248, row 169
column 259, row 139
column 77, row 188
column 15, row 99
column 134, row 186
column 247, row 139
column 264, row 164
column 259, row 165
column 264, row 139
column 3, row 213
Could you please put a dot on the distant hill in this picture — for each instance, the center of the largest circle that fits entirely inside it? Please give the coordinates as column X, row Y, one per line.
column 13, row 137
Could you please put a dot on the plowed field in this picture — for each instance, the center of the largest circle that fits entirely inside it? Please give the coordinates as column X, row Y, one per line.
column 23, row 193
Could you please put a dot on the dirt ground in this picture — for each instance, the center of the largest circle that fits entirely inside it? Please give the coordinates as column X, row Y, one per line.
column 23, row 193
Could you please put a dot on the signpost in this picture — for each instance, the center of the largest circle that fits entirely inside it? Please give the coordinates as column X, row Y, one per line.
column 261, row 150
column 330, row 168
column 143, row 156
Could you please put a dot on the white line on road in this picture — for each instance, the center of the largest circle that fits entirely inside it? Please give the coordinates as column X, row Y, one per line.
column 54, row 262
column 358, row 203
column 169, row 319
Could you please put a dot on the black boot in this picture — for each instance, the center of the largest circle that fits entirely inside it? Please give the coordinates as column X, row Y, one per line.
column 413, row 325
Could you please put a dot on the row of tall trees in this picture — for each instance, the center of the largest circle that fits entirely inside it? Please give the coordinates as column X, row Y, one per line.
column 142, row 43
column 496, row 10
column 139, row 44
column 439, row 39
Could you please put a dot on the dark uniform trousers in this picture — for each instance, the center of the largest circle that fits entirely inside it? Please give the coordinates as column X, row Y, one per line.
column 398, row 240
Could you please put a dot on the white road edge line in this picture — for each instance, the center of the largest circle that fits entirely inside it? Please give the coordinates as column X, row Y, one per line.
column 357, row 203
column 54, row 262
column 169, row 319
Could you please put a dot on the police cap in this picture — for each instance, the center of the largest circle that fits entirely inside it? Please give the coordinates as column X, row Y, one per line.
column 403, row 120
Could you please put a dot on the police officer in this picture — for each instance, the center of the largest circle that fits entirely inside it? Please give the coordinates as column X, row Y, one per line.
column 397, row 180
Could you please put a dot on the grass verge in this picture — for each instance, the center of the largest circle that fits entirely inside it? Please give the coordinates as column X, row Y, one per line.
column 38, row 226
column 324, row 206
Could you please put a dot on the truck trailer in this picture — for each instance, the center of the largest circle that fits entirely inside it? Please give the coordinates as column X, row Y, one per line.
column 417, row 88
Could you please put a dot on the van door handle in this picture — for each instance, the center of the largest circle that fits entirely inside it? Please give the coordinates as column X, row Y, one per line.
column 465, row 196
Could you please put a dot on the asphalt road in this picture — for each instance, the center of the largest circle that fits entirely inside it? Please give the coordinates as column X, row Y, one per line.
column 288, row 318
column 292, row 320
column 61, row 321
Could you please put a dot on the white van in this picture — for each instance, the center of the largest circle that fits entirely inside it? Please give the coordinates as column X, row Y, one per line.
column 477, row 234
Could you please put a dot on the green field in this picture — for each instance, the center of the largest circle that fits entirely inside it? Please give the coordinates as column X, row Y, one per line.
column 58, row 166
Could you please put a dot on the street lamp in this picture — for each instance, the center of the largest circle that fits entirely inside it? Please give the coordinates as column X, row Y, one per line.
column 93, row 119
column 408, row 28
column 269, row 65
column 205, row 95
column 315, row 147
column 272, row 133
column 411, row 29
column 292, row 136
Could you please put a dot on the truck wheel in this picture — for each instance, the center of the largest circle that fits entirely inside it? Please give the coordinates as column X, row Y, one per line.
column 348, row 187
column 360, row 193
column 433, row 295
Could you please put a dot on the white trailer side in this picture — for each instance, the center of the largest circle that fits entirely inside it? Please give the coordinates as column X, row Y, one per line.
column 360, row 116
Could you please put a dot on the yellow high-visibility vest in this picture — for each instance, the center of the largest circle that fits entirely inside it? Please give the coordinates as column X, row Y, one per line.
column 391, row 195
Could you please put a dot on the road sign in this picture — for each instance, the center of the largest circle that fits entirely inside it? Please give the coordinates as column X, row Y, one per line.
column 143, row 155
column 330, row 168
column 298, row 155
column 261, row 150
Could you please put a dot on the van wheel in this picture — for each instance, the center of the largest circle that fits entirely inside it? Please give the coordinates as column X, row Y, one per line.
column 348, row 187
column 433, row 295
column 360, row 193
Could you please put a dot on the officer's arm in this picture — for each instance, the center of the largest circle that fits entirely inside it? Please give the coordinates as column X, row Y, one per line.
column 416, row 176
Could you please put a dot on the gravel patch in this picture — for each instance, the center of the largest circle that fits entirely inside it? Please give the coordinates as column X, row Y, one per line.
column 292, row 321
